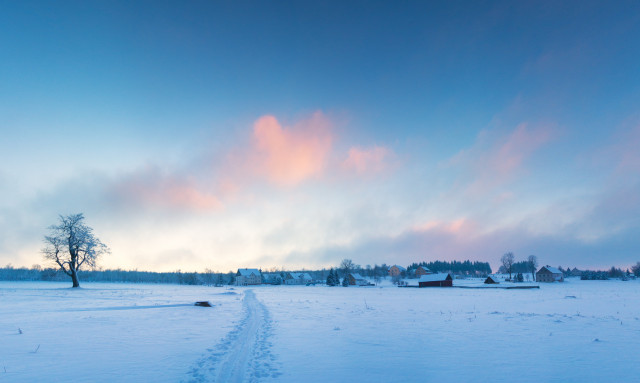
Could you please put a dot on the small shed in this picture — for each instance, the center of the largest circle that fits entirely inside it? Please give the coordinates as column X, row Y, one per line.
column 435, row 280
column 356, row 279
column 491, row 280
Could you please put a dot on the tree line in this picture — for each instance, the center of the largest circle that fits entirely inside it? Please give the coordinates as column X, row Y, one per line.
column 210, row 277
column 37, row 273
column 467, row 267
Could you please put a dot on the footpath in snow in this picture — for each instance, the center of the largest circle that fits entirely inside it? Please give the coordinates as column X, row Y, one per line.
column 244, row 355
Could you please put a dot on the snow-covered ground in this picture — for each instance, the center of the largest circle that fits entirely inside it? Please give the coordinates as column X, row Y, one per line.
column 574, row 331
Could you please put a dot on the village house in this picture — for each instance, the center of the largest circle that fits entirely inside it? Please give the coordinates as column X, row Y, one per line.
column 575, row 272
column 395, row 270
column 297, row 279
column 422, row 270
column 549, row 274
column 246, row 277
column 356, row 279
column 435, row 280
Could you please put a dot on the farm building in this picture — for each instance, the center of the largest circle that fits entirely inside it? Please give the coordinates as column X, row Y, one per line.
column 246, row 277
column 396, row 270
column 492, row 280
column 356, row 279
column 423, row 270
column 575, row 272
column 435, row 280
column 272, row 279
column 549, row 274
column 297, row 279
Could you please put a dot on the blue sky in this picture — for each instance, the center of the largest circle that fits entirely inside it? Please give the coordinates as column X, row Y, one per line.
column 232, row 134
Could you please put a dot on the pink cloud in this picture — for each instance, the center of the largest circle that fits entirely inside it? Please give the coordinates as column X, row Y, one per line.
column 289, row 155
column 284, row 156
column 150, row 188
column 367, row 161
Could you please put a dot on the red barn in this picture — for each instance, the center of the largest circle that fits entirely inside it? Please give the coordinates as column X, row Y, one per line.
column 435, row 280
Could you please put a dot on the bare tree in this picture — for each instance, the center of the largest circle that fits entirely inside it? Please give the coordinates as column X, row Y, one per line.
column 507, row 261
column 532, row 263
column 72, row 245
column 347, row 266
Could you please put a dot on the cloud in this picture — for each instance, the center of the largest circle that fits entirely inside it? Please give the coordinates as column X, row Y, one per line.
column 445, row 241
column 614, row 171
column 286, row 156
column 626, row 151
column 246, row 204
column 283, row 156
column 461, row 226
column 494, row 161
column 151, row 188
column 364, row 161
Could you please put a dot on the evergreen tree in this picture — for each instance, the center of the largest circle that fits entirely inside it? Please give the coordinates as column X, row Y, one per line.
column 330, row 279
column 345, row 282
column 636, row 269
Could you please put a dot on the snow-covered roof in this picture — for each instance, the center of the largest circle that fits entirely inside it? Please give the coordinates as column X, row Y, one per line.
column 433, row 277
column 357, row 276
column 248, row 272
column 552, row 270
column 400, row 268
column 494, row 278
column 305, row 276
column 425, row 268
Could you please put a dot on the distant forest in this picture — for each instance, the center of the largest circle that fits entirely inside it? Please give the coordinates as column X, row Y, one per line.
column 455, row 267
column 118, row 275
column 209, row 277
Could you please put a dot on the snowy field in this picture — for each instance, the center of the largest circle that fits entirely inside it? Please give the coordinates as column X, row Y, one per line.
column 577, row 331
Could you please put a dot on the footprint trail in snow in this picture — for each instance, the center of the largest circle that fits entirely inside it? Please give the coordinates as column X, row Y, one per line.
column 244, row 355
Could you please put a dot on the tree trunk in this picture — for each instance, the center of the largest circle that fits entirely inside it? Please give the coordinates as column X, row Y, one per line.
column 74, row 278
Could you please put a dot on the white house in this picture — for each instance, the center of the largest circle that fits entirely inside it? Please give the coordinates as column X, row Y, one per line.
column 297, row 279
column 246, row 277
column 549, row 274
